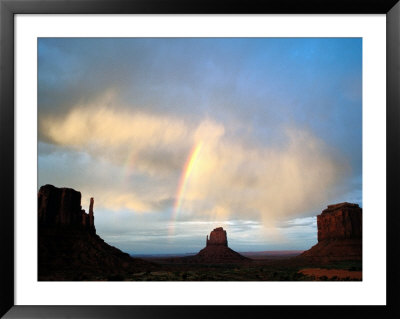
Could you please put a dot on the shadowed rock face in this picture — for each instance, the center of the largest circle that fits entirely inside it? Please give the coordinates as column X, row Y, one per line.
column 217, row 237
column 340, row 221
column 68, row 246
column 217, row 250
column 62, row 207
column 339, row 234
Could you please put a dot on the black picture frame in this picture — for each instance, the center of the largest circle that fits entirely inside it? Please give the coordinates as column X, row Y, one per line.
column 9, row 8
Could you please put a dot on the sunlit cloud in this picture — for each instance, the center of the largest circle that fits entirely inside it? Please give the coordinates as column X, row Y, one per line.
column 229, row 179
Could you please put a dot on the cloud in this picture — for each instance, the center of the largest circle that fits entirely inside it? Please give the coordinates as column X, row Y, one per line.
column 232, row 178
column 149, row 234
column 264, row 183
column 299, row 222
column 119, row 135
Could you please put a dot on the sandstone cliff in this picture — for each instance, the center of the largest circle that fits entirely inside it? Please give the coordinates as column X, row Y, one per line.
column 340, row 221
column 339, row 234
column 217, row 237
column 62, row 207
column 68, row 246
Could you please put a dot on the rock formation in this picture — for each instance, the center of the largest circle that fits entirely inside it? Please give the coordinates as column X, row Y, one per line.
column 62, row 207
column 339, row 234
column 91, row 216
column 340, row 221
column 68, row 246
column 217, row 237
column 217, row 250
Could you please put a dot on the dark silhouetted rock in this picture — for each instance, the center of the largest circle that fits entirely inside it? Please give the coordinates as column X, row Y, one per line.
column 68, row 246
column 62, row 207
column 217, row 250
column 91, row 216
column 339, row 234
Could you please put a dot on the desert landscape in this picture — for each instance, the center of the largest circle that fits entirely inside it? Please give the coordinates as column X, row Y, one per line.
column 70, row 250
column 200, row 159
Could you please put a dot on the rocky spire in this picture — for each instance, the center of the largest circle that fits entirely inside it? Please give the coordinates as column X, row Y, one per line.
column 91, row 216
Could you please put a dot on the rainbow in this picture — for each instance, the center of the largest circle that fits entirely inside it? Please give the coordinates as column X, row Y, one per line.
column 185, row 176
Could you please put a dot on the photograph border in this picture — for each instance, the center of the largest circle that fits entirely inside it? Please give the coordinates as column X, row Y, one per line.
column 8, row 9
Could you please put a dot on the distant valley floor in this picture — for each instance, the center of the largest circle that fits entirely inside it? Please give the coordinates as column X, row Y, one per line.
column 273, row 267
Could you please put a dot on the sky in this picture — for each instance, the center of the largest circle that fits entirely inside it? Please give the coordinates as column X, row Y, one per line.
column 176, row 136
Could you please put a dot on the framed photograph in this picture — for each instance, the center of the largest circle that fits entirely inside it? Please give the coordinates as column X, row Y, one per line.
column 190, row 159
